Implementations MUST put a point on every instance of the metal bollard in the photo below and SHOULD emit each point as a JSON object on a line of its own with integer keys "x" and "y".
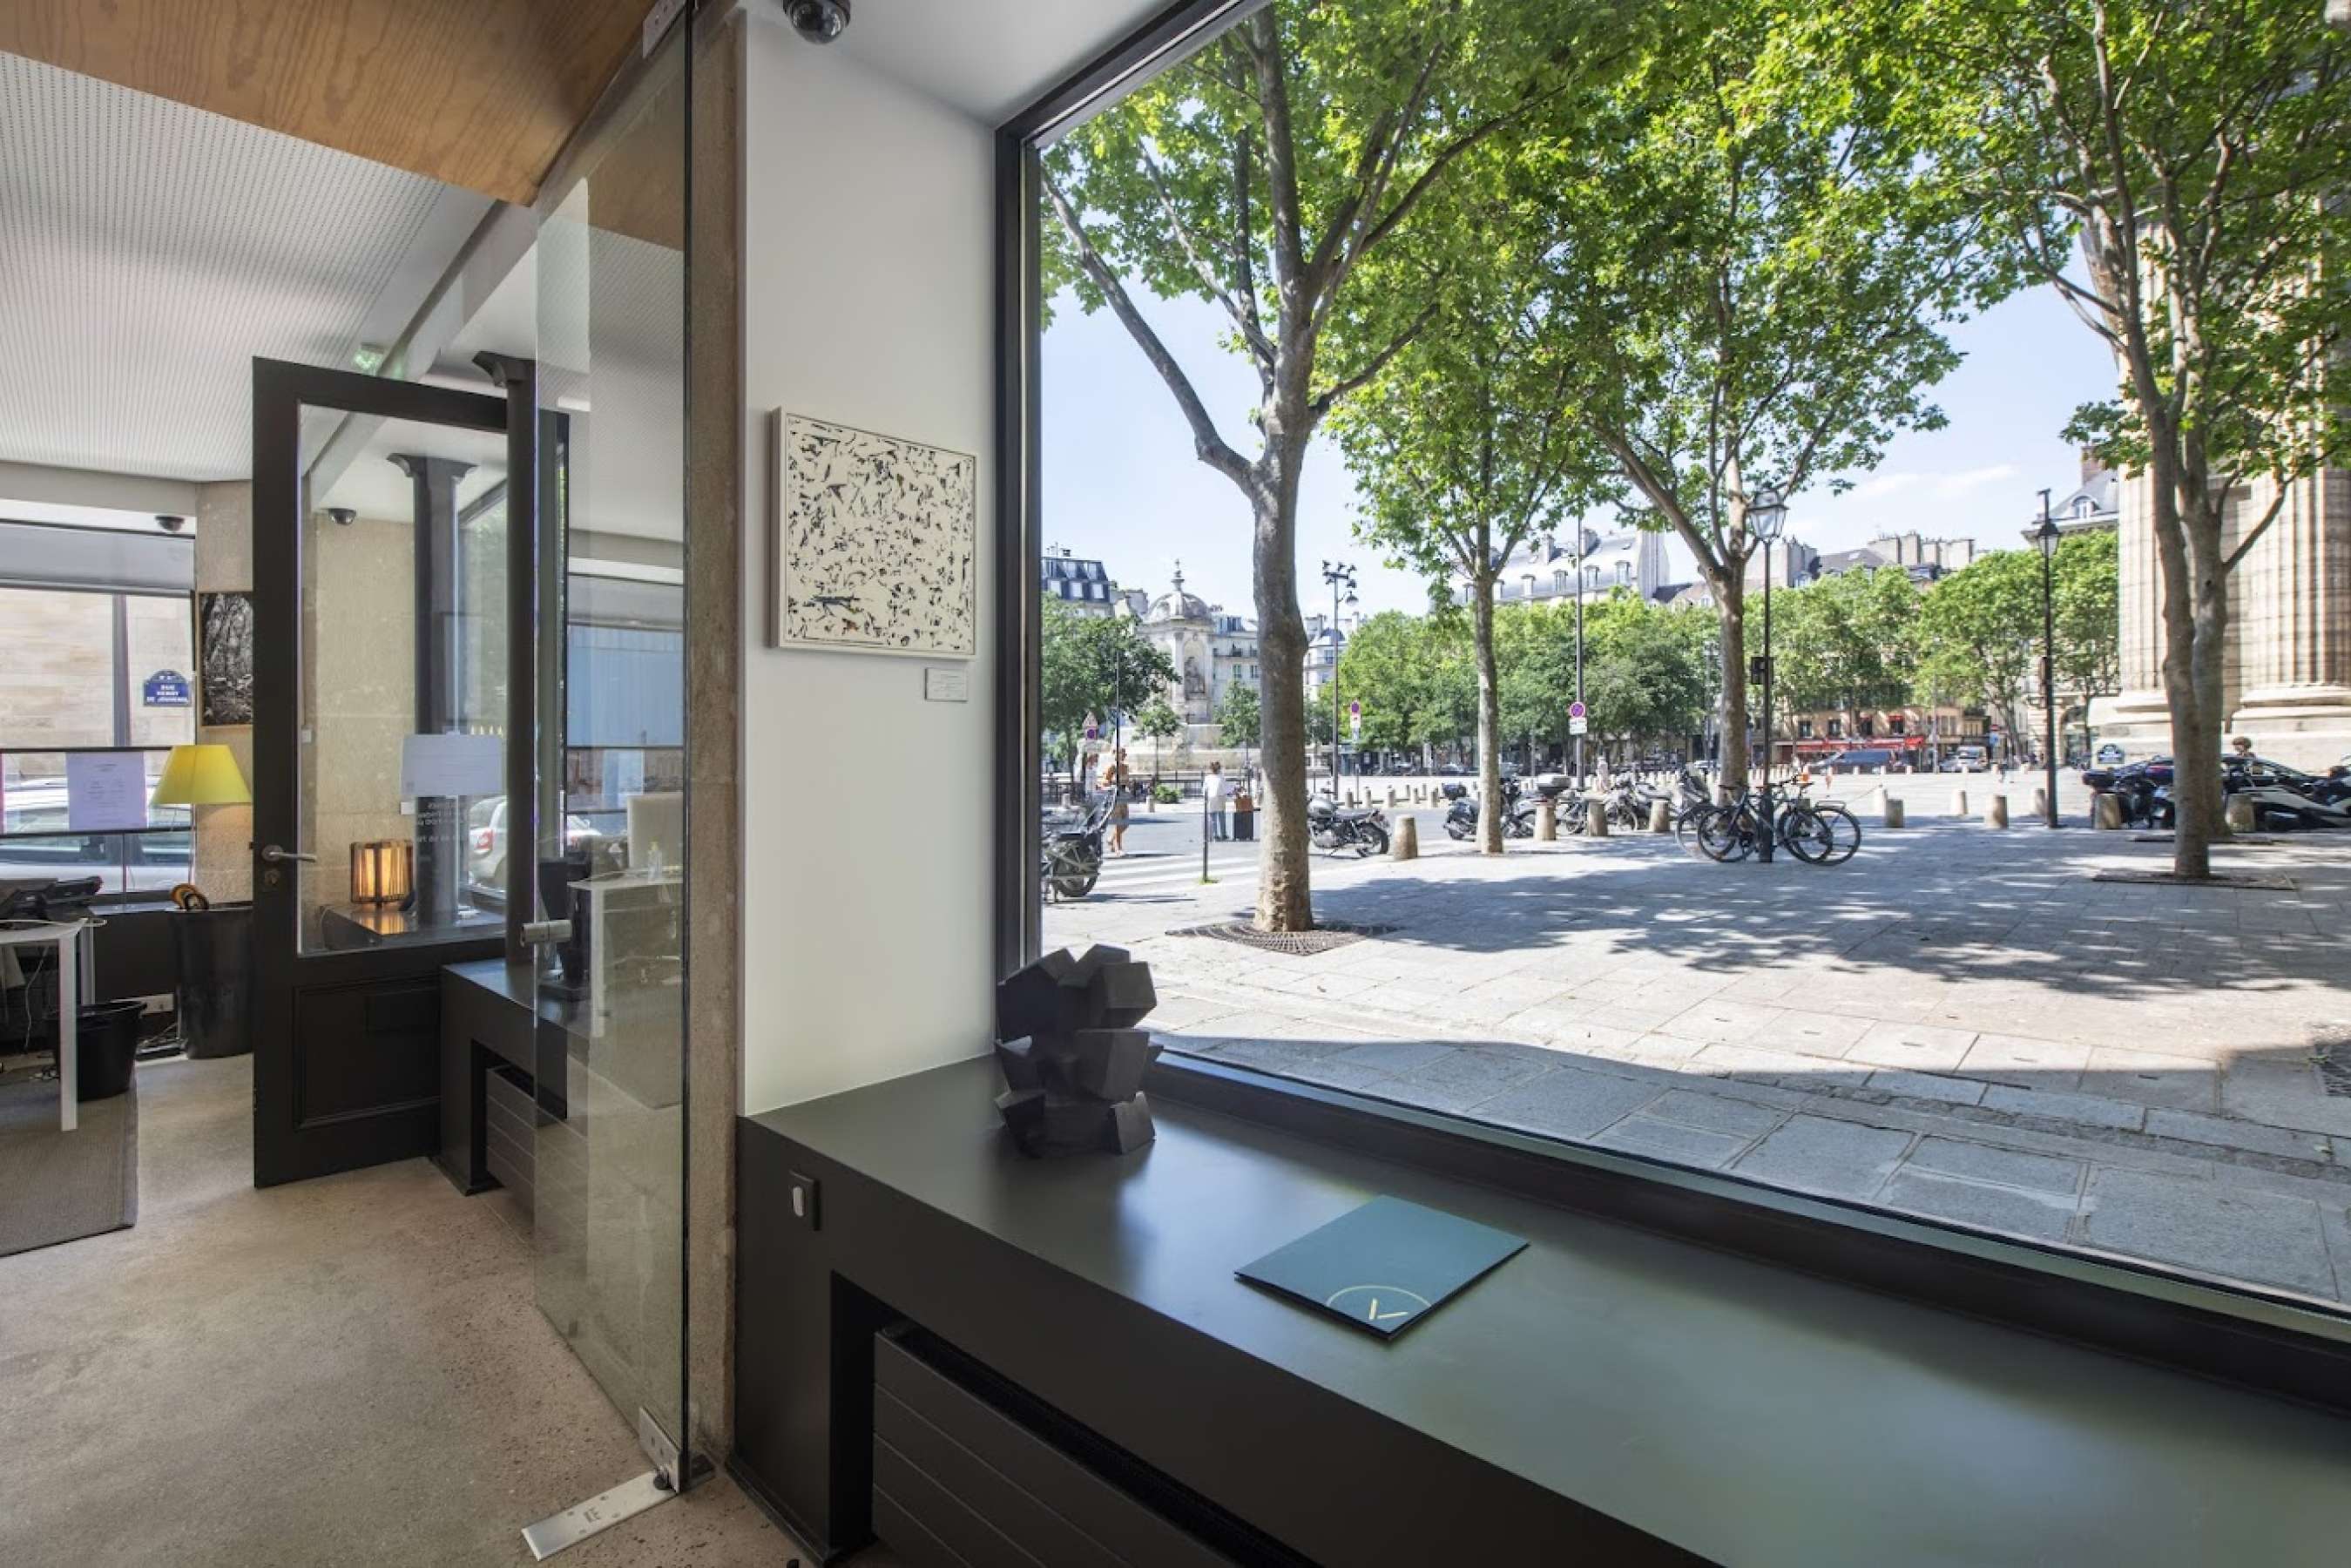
{"x": 1893, "y": 812}
{"x": 2238, "y": 812}
{"x": 1391, "y": 796}
{"x": 1547, "y": 820}
{"x": 1595, "y": 819}
{"x": 1996, "y": 813}
{"x": 2106, "y": 811}
{"x": 1661, "y": 816}
{"x": 1958, "y": 803}
{"x": 1405, "y": 845}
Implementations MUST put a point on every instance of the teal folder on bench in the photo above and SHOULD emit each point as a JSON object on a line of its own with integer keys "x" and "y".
{"x": 1385, "y": 1266}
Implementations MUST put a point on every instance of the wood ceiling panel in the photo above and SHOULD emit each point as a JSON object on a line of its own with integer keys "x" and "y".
{"x": 478, "y": 93}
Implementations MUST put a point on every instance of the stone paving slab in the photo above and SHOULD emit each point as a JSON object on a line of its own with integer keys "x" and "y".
{"x": 1964, "y": 1027}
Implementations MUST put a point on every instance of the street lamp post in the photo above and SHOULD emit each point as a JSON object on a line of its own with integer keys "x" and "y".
{"x": 1766, "y": 513}
{"x": 1338, "y": 574}
{"x": 2046, "y": 537}
{"x": 1579, "y": 649}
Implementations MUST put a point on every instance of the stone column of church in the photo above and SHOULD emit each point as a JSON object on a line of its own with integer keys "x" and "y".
{"x": 2137, "y": 718}
{"x": 2293, "y": 604}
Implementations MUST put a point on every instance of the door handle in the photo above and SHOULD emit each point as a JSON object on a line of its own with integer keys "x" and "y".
{"x": 540, "y": 933}
{"x": 272, "y": 854}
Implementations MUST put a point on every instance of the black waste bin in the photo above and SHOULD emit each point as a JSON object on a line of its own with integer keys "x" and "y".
{"x": 1244, "y": 820}
{"x": 106, "y": 1041}
{"x": 215, "y": 996}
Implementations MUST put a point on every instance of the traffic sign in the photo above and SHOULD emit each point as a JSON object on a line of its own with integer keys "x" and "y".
{"x": 1578, "y": 725}
{"x": 1355, "y": 710}
{"x": 1575, "y": 709}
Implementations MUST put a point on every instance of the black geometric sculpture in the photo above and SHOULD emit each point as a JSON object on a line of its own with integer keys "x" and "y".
{"x": 1072, "y": 1059}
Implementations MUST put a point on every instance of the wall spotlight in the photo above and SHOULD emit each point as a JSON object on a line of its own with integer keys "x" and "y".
{"x": 818, "y": 21}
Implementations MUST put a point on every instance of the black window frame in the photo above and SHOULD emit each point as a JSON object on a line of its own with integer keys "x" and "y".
{"x": 2240, "y": 1334}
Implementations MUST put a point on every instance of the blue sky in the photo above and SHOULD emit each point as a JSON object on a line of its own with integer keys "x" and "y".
{"x": 1121, "y": 482}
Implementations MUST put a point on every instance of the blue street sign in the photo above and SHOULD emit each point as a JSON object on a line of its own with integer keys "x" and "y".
{"x": 166, "y": 688}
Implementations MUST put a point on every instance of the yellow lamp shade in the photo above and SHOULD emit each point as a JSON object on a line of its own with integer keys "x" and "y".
{"x": 201, "y": 776}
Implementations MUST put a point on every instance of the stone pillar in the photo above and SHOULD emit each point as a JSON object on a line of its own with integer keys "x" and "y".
{"x": 2291, "y": 598}
{"x": 1405, "y": 845}
{"x": 222, "y": 858}
{"x": 2139, "y": 719}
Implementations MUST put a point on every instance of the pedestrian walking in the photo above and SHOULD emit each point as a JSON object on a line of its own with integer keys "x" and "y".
{"x": 1118, "y": 809}
{"x": 1212, "y": 800}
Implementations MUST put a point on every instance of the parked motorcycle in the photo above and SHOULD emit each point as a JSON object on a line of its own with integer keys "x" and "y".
{"x": 1071, "y": 855}
{"x": 1333, "y": 826}
{"x": 1461, "y": 819}
{"x": 2285, "y": 799}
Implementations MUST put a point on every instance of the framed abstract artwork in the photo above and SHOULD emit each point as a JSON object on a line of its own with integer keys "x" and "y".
{"x": 225, "y": 658}
{"x": 874, "y": 541}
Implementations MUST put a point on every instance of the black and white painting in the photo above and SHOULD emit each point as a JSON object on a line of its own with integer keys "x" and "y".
{"x": 224, "y": 657}
{"x": 875, "y": 540}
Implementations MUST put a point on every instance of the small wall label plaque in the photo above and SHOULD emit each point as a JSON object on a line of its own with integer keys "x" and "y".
{"x": 947, "y": 686}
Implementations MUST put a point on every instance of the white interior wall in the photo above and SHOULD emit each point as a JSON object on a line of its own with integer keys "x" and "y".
{"x": 868, "y": 299}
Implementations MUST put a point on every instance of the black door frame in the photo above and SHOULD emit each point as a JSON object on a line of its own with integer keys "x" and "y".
{"x": 396, "y": 987}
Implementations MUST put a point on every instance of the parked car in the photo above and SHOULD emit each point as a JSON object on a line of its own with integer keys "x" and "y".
{"x": 1967, "y": 758}
{"x": 486, "y": 839}
{"x": 1861, "y": 759}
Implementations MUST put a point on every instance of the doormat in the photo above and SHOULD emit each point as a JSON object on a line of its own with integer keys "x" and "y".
{"x": 2266, "y": 881}
{"x": 1299, "y": 943}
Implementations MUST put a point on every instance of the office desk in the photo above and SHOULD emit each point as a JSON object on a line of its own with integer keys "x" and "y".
{"x": 68, "y": 937}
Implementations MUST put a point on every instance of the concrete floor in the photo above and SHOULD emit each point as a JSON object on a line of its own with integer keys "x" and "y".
{"x": 346, "y": 1371}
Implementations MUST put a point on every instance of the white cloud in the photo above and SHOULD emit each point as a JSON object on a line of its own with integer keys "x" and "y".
{"x": 1968, "y": 479}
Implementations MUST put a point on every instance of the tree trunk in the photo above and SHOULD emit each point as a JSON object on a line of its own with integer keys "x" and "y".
{"x": 1284, "y": 897}
{"x": 1730, "y": 608}
{"x": 1490, "y": 816}
{"x": 2195, "y": 626}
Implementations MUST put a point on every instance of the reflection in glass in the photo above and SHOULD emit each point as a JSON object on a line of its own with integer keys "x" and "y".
{"x": 404, "y": 658}
{"x": 609, "y": 1217}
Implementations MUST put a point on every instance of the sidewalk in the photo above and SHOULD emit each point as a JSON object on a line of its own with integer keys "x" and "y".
{"x": 1959, "y": 1024}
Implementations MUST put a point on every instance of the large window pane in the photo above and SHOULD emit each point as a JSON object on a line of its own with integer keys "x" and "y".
{"x": 1969, "y": 1026}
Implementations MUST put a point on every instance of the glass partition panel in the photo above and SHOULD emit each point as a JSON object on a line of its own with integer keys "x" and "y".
{"x": 610, "y": 271}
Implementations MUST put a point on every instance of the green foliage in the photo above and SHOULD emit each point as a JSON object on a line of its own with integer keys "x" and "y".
{"x": 1158, "y": 722}
{"x": 1645, "y": 674}
{"x": 1847, "y": 643}
{"x": 1979, "y": 632}
{"x": 1097, "y": 667}
{"x": 1238, "y": 716}
{"x": 2089, "y": 615}
{"x": 1165, "y": 794}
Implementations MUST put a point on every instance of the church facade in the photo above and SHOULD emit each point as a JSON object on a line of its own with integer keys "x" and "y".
{"x": 2287, "y": 678}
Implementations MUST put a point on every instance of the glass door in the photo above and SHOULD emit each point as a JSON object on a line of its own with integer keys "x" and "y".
{"x": 610, "y": 287}
{"x": 376, "y": 649}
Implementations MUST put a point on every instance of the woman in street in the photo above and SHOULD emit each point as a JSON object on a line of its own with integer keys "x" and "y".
{"x": 1212, "y": 798}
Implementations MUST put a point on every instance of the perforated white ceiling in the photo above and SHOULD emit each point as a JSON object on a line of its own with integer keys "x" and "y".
{"x": 149, "y": 250}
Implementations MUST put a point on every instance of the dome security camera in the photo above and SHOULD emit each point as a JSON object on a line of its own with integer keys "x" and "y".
{"x": 343, "y": 517}
{"x": 818, "y": 21}
{"x": 169, "y": 522}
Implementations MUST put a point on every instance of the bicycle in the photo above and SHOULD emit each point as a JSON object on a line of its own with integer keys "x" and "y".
{"x": 1816, "y": 832}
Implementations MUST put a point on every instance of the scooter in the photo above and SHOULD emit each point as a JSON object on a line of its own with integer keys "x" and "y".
{"x": 1334, "y": 827}
{"x": 1071, "y": 857}
{"x": 1461, "y": 820}
{"x": 2279, "y": 805}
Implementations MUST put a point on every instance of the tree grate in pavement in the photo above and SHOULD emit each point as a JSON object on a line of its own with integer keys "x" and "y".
{"x": 1299, "y": 943}
{"x": 2334, "y": 1059}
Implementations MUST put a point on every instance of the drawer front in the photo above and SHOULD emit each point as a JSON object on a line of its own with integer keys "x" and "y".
{"x": 510, "y": 1138}
{"x": 969, "y": 1486}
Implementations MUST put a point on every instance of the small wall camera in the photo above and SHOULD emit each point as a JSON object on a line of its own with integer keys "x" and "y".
{"x": 170, "y": 523}
{"x": 818, "y": 21}
{"x": 343, "y": 517}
